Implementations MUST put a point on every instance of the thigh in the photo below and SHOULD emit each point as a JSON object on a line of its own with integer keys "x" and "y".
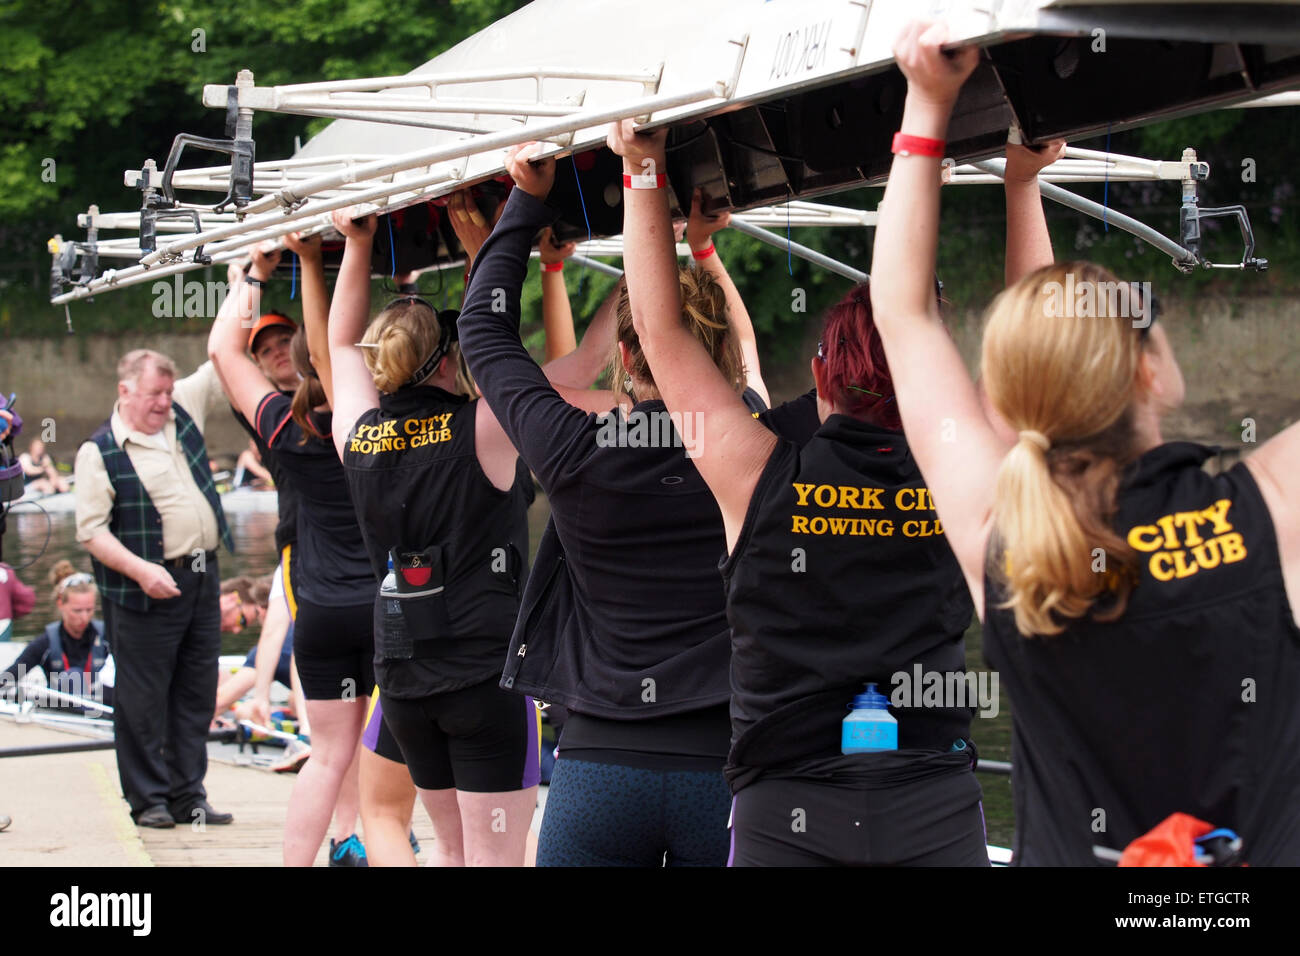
{"x": 492, "y": 738}
{"x": 601, "y": 814}
{"x": 696, "y": 806}
{"x": 422, "y": 743}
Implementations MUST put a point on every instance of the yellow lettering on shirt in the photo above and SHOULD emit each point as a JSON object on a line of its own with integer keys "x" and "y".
{"x": 1178, "y": 544}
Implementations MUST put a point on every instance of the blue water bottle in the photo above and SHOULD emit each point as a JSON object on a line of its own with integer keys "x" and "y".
{"x": 870, "y": 727}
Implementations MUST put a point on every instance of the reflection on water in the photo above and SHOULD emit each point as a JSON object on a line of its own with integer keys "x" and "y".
{"x": 25, "y": 541}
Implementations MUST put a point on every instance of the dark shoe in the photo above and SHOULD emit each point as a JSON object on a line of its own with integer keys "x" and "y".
{"x": 159, "y": 818}
{"x": 202, "y": 811}
{"x": 351, "y": 852}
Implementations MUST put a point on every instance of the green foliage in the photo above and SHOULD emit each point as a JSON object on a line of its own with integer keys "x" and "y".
{"x": 98, "y": 86}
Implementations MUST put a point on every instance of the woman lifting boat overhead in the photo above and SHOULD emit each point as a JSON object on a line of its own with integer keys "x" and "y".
{"x": 333, "y": 644}
{"x": 1141, "y": 612}
{"x": 837, "y": 575}
{"x": 442, "y": 498}
{"x": 624, "y": 618}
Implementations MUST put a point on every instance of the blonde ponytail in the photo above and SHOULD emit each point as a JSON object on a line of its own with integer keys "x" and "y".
{"x": 404, "y": 335}
{"x": 704, "y": 313}
{"x": 1066, "y": 383}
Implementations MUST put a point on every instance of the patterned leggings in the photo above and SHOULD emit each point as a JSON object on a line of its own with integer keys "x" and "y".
{"x": 607, "y": 814}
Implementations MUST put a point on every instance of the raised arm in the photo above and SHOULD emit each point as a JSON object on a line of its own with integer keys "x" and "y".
{"x": 573, "y": 374}
{"x": 1276, "y": 469}
{"x": 953, "y": 443}
{"x": 242, "y": 380}
{"x": 699, "y": 234}
{"x": 354, "y": 388}
{"x": 734, "y": 447}
{"x": 557, "y": 311}
{"x": 1029, "y": 245}
{"x": 520, "y": 405}
{"x": 315, "y": 307}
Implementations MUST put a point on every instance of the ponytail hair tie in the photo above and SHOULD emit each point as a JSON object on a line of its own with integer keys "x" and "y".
{"x": 1038, "y": 438}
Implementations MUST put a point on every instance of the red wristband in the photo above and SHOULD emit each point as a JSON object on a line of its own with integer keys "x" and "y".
{"x": 905, "y": 145}
{"x": 552, "y": 266}
{"x": 645, "y": 181}
{"x": 703, "y": 253}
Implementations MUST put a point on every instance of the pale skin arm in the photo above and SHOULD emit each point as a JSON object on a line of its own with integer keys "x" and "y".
{"x": 242, "y": 380}
{"x": 699, "y": 234}
{"x": 1029, "y": 245}
{"x": 557, "y": 311}
{"x": 251, "y": 464}
{"x": 354, "y": 388}
{"x": 572, "y": 374}
{"x": 315, "y": 307}
{"x": 735, "y": 445}
{"x": 269, "y": 645}
{"x": 152, "y": 578}
{"x": 1276, "y": 470}
{"x": 955, "y": 446}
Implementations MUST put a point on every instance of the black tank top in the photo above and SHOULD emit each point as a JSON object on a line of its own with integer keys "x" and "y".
{"x": 841, "y": 576}
{"x": 1186, "y": 704}
{"x": 417, "y": 484}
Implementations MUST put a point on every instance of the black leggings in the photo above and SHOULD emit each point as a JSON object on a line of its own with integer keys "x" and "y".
{"x": 935, "y": 821}
{"x": 609, "y": 814}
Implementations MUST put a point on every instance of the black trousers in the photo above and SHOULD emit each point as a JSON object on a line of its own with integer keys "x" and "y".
{"x": 165, "y": 690}
{"x": 934, "y": 820}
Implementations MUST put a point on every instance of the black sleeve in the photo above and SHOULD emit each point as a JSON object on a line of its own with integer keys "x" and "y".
{"x": 274, "y": 412}
{"x": 32, "y": 656}
{"x": 796, "y": 420}
{"x": 544, "y": 428}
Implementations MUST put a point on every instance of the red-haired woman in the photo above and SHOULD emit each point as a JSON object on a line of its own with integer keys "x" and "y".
{"x": 836, "y": 576}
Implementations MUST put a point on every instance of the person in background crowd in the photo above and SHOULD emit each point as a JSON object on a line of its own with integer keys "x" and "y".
{"x": 250, "y": 471}
{"x": 148, "y": 513}
{"x": 71, "y": 651}
{"x": 39, "y": 473}
{"x": 16, "y": 600}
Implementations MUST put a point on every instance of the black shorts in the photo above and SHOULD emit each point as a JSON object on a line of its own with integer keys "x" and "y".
{"x": 934, "y": 821}
{"x": 479, "y": 739}
{"x": 334, "y": 648}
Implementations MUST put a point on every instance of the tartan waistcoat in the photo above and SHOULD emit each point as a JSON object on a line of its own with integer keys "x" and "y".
{"x": 134, "y": 520}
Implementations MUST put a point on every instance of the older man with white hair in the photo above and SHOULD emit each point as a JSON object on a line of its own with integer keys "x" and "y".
{"x": 148, "y": 513}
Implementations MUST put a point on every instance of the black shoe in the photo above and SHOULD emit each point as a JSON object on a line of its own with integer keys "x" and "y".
{"x": 202, "y": 811}
{"x": 159, "y": 818}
